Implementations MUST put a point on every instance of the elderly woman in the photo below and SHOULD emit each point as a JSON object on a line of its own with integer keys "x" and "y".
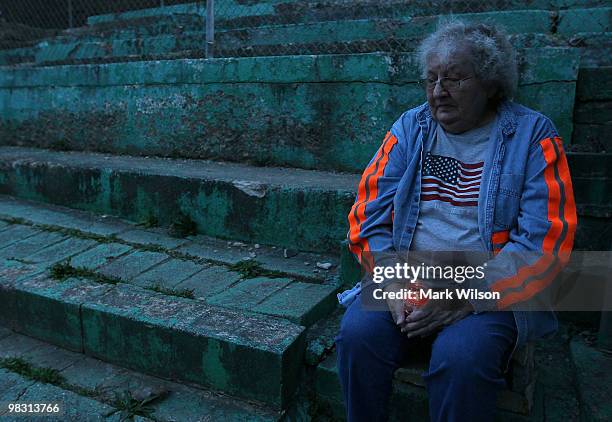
{"x": 469, "y": 170}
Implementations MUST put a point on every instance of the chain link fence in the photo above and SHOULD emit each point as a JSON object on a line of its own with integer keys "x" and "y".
{"x": 233, "y": 28}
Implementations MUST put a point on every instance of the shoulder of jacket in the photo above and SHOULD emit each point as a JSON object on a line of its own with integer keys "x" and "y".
{"x": 408, "y": 121}
{"x": 527, "y": 116}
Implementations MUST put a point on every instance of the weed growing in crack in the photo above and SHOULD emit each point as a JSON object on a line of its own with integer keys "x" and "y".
{"x": 27, "y": 370}
{"x": 250, "y": 268}
{"x": 186, "y": 293}
{"x": 149, "y": 221}
{"x": 62, "y": 271}
{"x": 183, "y": 226}
{"x": 130, "y": 407}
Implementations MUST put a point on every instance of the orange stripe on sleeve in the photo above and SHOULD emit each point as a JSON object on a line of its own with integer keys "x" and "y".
{"x": 569, "y": 214}
{"x": 569, "y": 208}
{"x": 553, "y": 233}
{"x": 370, "y": 176}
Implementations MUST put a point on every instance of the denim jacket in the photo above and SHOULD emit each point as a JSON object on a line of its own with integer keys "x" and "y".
{"x": 525, "y": 205}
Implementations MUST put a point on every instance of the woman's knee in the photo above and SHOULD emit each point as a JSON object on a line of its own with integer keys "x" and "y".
{"x": 474, "y": 349}
{"x": 361, "y": 328}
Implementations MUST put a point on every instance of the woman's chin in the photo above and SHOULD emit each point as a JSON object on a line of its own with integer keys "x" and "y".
{"x": 447, "y": 117}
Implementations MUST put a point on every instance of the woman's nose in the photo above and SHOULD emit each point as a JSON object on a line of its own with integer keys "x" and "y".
{"x": 439, "y": 91}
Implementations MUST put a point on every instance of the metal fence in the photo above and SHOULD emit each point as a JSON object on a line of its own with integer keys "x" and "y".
{"x": 227, "y": 28}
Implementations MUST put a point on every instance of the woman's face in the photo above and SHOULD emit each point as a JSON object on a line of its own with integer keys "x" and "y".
{"x": 462, "y": 107}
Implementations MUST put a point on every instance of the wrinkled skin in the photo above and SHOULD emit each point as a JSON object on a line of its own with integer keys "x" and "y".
{"x": 465, "y": 108}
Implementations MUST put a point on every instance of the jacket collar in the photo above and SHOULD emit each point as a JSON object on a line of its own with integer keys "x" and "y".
{"x": 507, "y": 120}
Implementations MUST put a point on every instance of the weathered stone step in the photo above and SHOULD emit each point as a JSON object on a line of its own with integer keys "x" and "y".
{"x": 226, "y": 10}
{"x": 326, "y": 112}
{"x": 112, "y": 290}
{"x": 146, "y": 26}
{"x": 362, "y": 34}
{"x": 88, "y": 388}
{"x": 203, "y": 269}
{"x": 238, "y": 352}
{"x": 319, "y": 33}
{"x": 105, "y": 229}
{"x": 292, "y": 11}
{"x": 298, "y": 209}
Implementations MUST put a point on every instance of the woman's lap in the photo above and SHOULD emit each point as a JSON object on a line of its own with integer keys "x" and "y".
{"x": 371, "y": 347}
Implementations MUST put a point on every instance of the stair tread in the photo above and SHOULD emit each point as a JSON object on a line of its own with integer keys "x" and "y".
{"x": 184, "y": 270}
{"x": 248, "y": 178}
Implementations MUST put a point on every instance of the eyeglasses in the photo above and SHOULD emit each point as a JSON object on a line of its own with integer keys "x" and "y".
{"x": 449, "y": 84}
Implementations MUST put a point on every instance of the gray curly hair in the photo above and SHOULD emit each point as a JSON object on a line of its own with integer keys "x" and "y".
{"x": 493, "y": 56}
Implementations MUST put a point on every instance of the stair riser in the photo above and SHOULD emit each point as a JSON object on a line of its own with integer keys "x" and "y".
{"x": 219, "y": 208}
{"x": 325, "y": 112}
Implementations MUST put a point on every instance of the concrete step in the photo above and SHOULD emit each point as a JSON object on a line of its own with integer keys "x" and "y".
{"x": 227, "y": 10}
{"x": 111, "y": 290}
{"x": 327, "y": 112}
{"x": 232, "y": 13}
{"x": 184, "y": 35}
{"x": 89, "y": 389}
{"x": 215, "y": 271}
{"x": 297, "y": 209}
{"x": 147, "y": 235}
{"x": 237, "y": 352}
{"x": 239, "y": 42}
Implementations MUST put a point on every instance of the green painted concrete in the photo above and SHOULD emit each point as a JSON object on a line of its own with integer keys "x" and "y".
{"x": 515, "y": 22}
{"x": 99, "y": 255}
{"x": 227, "y": 9}
{"x": 167, "y": 274}
{"x": 104, "y": 380}
{"x": 303, "y": 210}
{"x": 234, "y": 42}
{"x": 58, "y": 302}
{"x": 76, "y": 408}
{"x": 11, "y": 386}
{"x": 209, "y": 282}
{"x": 15, "y": 234}
{"x": 183, "y": 34}
{"x": 597, "y": 19}
{"x": 30, "y": 245}
{"x": 148, "y": 237}
{"x": 220, "y": 208}
{"x": 127, "y": 267}
{"x": 328, "y": 112}
{"x": 210, "y": 250}
{"x": 302, "y": 303}
{"x": 273, "y": 8}
{"x": 247, "y": 294}
{"x": 188, "y": 340}
{"x": 61, "y": 251}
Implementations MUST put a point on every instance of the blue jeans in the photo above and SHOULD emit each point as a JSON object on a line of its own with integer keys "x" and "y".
{"x": 466, "y": 369}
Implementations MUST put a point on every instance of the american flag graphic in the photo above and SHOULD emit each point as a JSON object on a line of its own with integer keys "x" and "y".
{"x": 449, "y": 180}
